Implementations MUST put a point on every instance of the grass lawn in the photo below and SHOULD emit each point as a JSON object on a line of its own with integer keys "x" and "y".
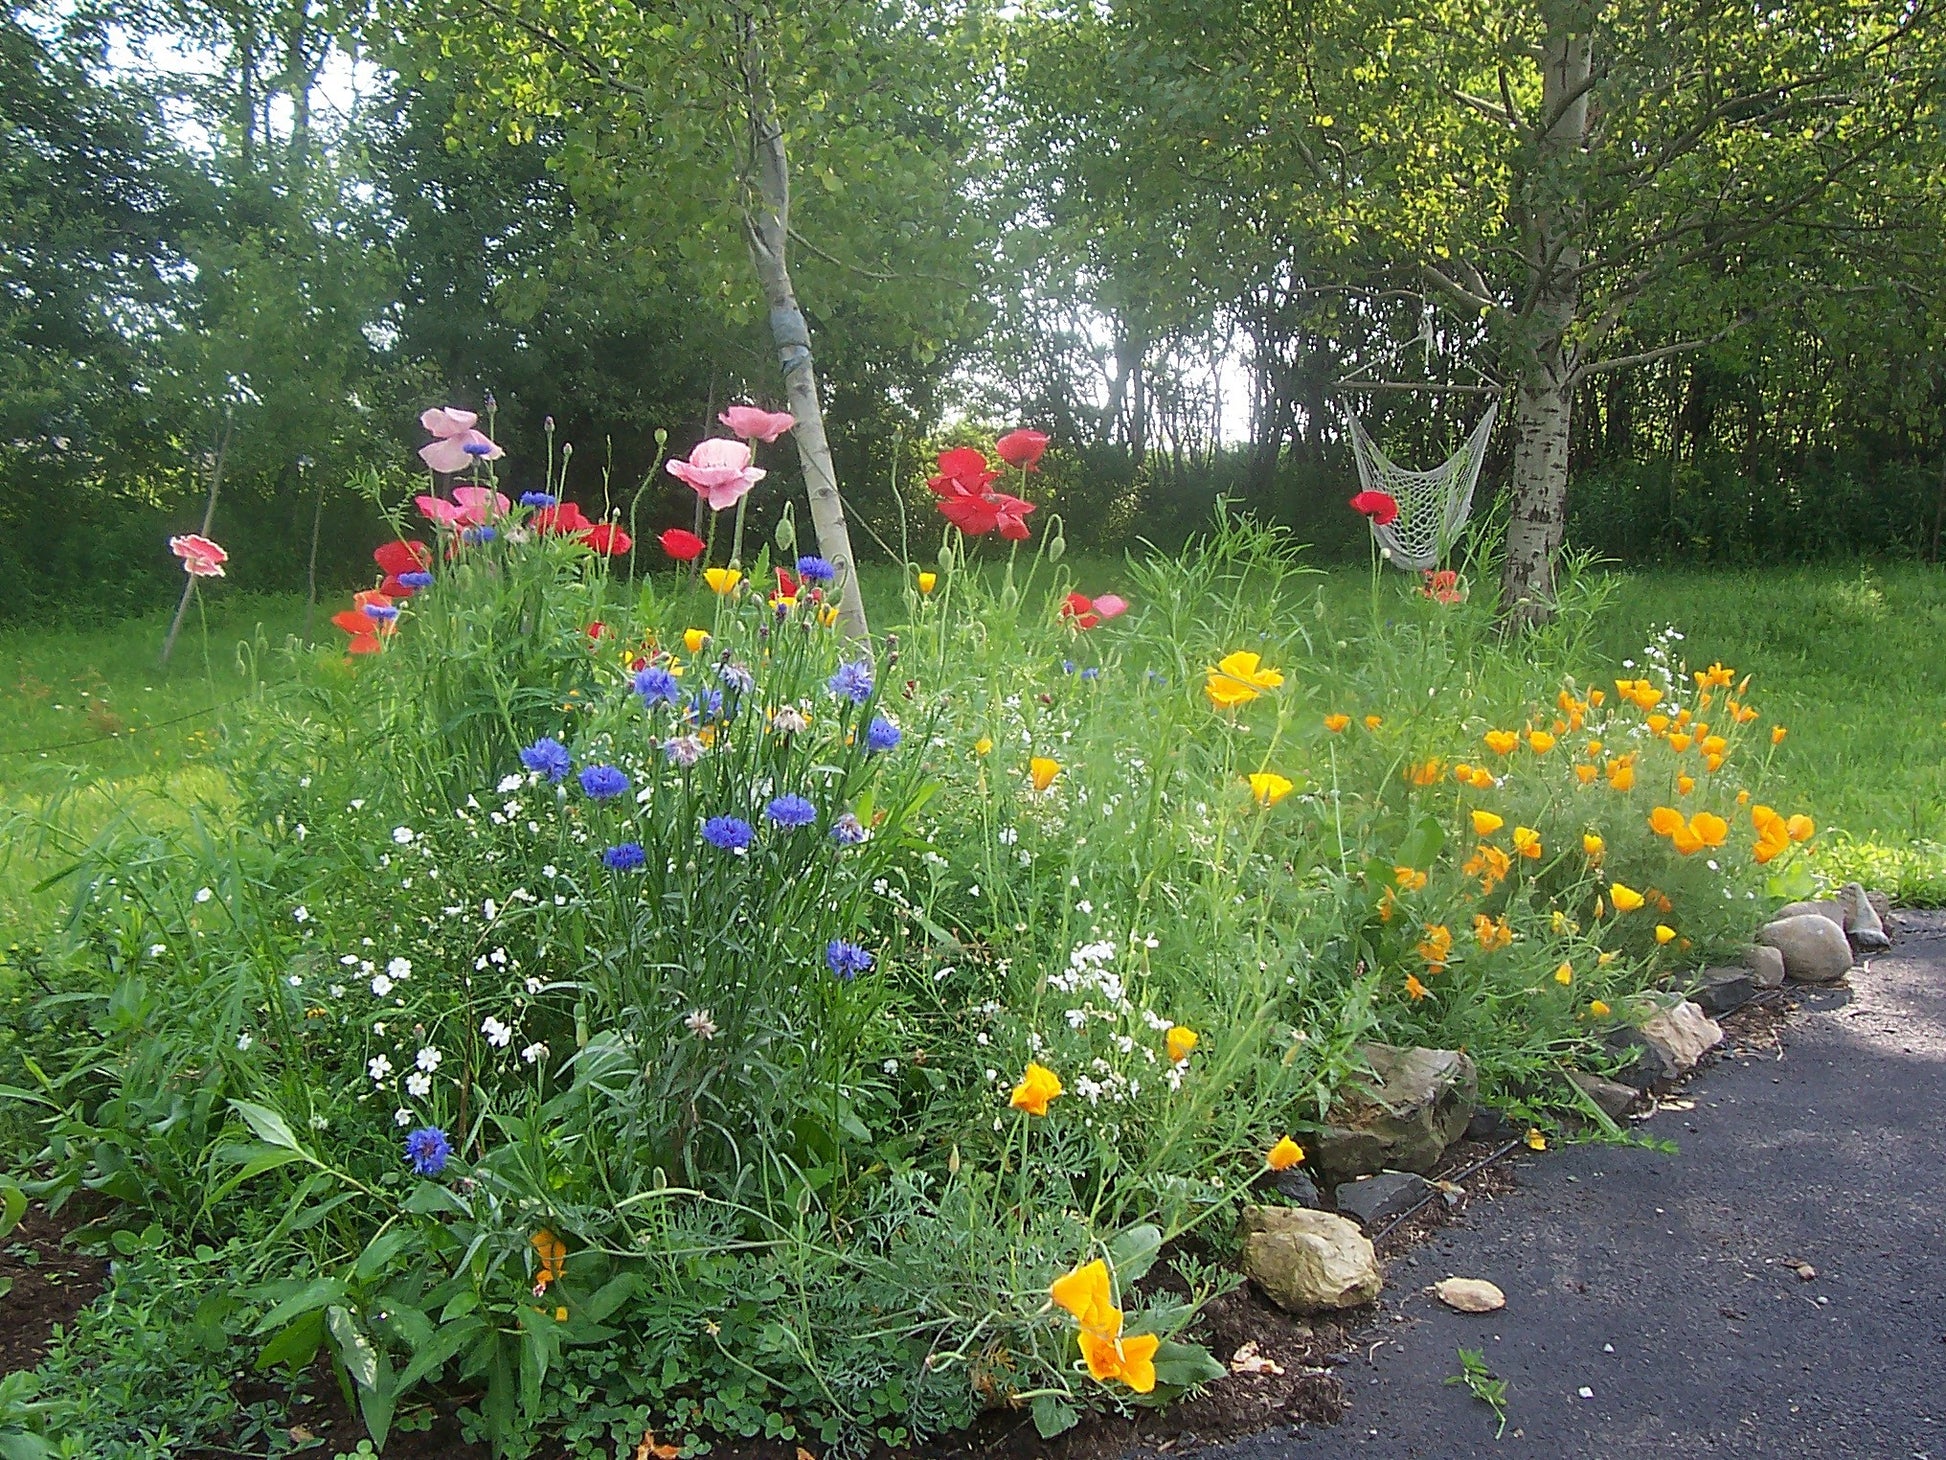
{"x": 1849, "y": 658}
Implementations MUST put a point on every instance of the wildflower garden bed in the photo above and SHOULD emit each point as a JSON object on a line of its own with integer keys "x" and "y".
{"x": 614, "y": 1009}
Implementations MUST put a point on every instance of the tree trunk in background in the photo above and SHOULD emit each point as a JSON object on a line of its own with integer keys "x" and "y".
{"x": 1544, "y": 392}
{"x": 768, "y": 232}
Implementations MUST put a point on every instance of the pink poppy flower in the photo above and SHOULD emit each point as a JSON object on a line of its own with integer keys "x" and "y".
{"x": 755, "y": 424}
{"x": 1022, "y": 448}
{"x": 1111, "y": 605}
{"x": 456, "y": 444}
{"x": 719, "y": 471}
{"x": 201, "y": 558}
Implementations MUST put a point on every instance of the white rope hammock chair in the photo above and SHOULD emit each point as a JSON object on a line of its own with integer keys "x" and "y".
{"x": 1433, "y": 505}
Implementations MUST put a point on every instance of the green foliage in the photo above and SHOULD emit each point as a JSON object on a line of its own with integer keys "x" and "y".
{"x": 1482, "y": 1385}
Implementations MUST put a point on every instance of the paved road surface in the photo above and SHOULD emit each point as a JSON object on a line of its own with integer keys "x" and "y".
{"x": 1662, "y": 1286}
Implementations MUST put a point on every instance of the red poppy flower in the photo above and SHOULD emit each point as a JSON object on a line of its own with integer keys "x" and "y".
{"x": 398, "y": 557}
{"x": 1021, "y": 449}
{"x": 963, "y": 469}
{"x": 1012, "y": 513}
{"x": 1442, "y": 586}
{"x": 608, "y": 538}
{"x": 786, "y": 584}
{"x": 1080, "y": 608}
{"x": 1379, "y": 506}
{"x": 596, "y": 630}
{"x": 682, "y": 545}
{"x": 561, "y": 520}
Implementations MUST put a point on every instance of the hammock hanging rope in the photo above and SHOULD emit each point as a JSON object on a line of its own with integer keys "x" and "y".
{"x": 1433, "y": 505}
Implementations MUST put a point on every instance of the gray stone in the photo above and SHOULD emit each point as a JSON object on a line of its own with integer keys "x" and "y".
{"x": 1719, "y": 990}
{"x": 1863, "y": 927}
{"x": 1375, "y": 1200}
{"x": 1670, "y": 1035}
{"x": 1881, "y": 908}
{"x": 1823, "y": 907}
{"x": 1415, "y": 1103}
{"x": 1766, "y": 964}
{"x": 1612, "y": 1097}
{"x": 1296, "y": 1185}
{"x": 1488, "y": 1124}
{"x": 1308, "y": 1262}
{"x": 1814, "y": 947}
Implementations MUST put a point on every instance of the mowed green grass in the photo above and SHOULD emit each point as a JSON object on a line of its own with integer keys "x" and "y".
{"x": 1851, "y": 659}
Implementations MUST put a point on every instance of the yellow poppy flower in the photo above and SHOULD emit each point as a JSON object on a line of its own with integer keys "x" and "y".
{"x": 1038, "y": 1085}
{"x": 1621, "y": 773}
{"x": 1425, "y": 772}
{"x": 1042, "y": 771}
{"x": 1527, "y": 842}
{"x": 1485, "y": 823}
{"x": 1626, "y": 899}
{"x": 1491, "y": 933}
{"x": 1714, "y": 745}
{"x": 828, "y": 614}
{"x": 1462, "y": 773}
{"x": 553, "y": 1255}
{"x": 1501, "y": 742}
{"x": 1596, "y": 696}
{"x": 1335, "y": 723}
{"x": 1586, "y": 774}
{"x": 1593, "y": 845}
{"x": 694, "y": 639}
{"x": 1801, "y": 828}
{"x": 1535, "y": 1140}
{"x": 1777, "y": 734}
{"x": 1268, "y": 787}
{"x": 1482, "y": 778}
{"x": 722, "y": 580}
{"x": 1284, "y": 1155}
{"x": 1602, "y": 960}
{"x": 1238, "y": 679}
{"x": 1711, "y": 829}
{"x": 1658, "y": 723}
{"x": 1679, "y": 743}
{"x": 1664, "y": 933}
{"x": 1685, "y": 784}
{"x": 1372, "y": 722}
{"x": 1665, "y": 821}
{"x": 1086, "y": 1294}
{"x": 928, "y": 582}
{"x": 1414, "y": 989}
{"x": 983, "y": 746}
{"x": 1598, "y": 1009}
{"x": 1181, "y": 1040}
{"x": 1539, "y": 741}
{"x": 1436, "y": 947}
{"x": 1564, "y": 975}
{"x": 1130, "y": 1359}
{"x": 1409, "y": 878}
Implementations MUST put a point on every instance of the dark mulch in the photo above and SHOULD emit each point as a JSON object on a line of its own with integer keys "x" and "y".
{"x": 51, "y": 1283}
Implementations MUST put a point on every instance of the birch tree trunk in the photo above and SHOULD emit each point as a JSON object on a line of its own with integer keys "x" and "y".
{"x": 1544, "y": 391}
{"x": 767, "y": 229}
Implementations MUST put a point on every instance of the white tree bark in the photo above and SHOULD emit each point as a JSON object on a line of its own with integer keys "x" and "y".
{"x": 767, "y": 228}
{"x": 1544, "y": 390}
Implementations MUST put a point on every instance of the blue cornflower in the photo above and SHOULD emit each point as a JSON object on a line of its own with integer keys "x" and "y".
{"x": 603, "y": 781}
{"x": 791, "y": 811}
{"x": 384, "y": 613}
{"x": 852, "y": 682}
{"x": 707, "y": 704}
{"x": 849, "y": 831}
{"x": 1091, "y": 673}
{"x": 881, "y": 734}
{"x": 539, "y": 499}
{"x": 737, "y": 677}
{"x": 479, "y": 534}
{"x": 728, "y": 833}
{"x": 656, "y": 683}
{"x": 418, "y": 578}
{"x": 816, "y": 570}
{"x": 477, "y": 448}
{"x": 628, "y": 857}
{"x": 847, "y": 960}
{"x": 1067, "y": 666}
{"x": 549, "y": 757}
{"x": 427, "y": 1149}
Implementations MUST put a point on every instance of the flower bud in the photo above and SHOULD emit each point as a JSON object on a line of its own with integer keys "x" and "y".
{"x": 1055, "y": 547}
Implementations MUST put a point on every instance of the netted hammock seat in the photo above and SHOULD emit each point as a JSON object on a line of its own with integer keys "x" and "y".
{"x": 1433, "y": 505}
